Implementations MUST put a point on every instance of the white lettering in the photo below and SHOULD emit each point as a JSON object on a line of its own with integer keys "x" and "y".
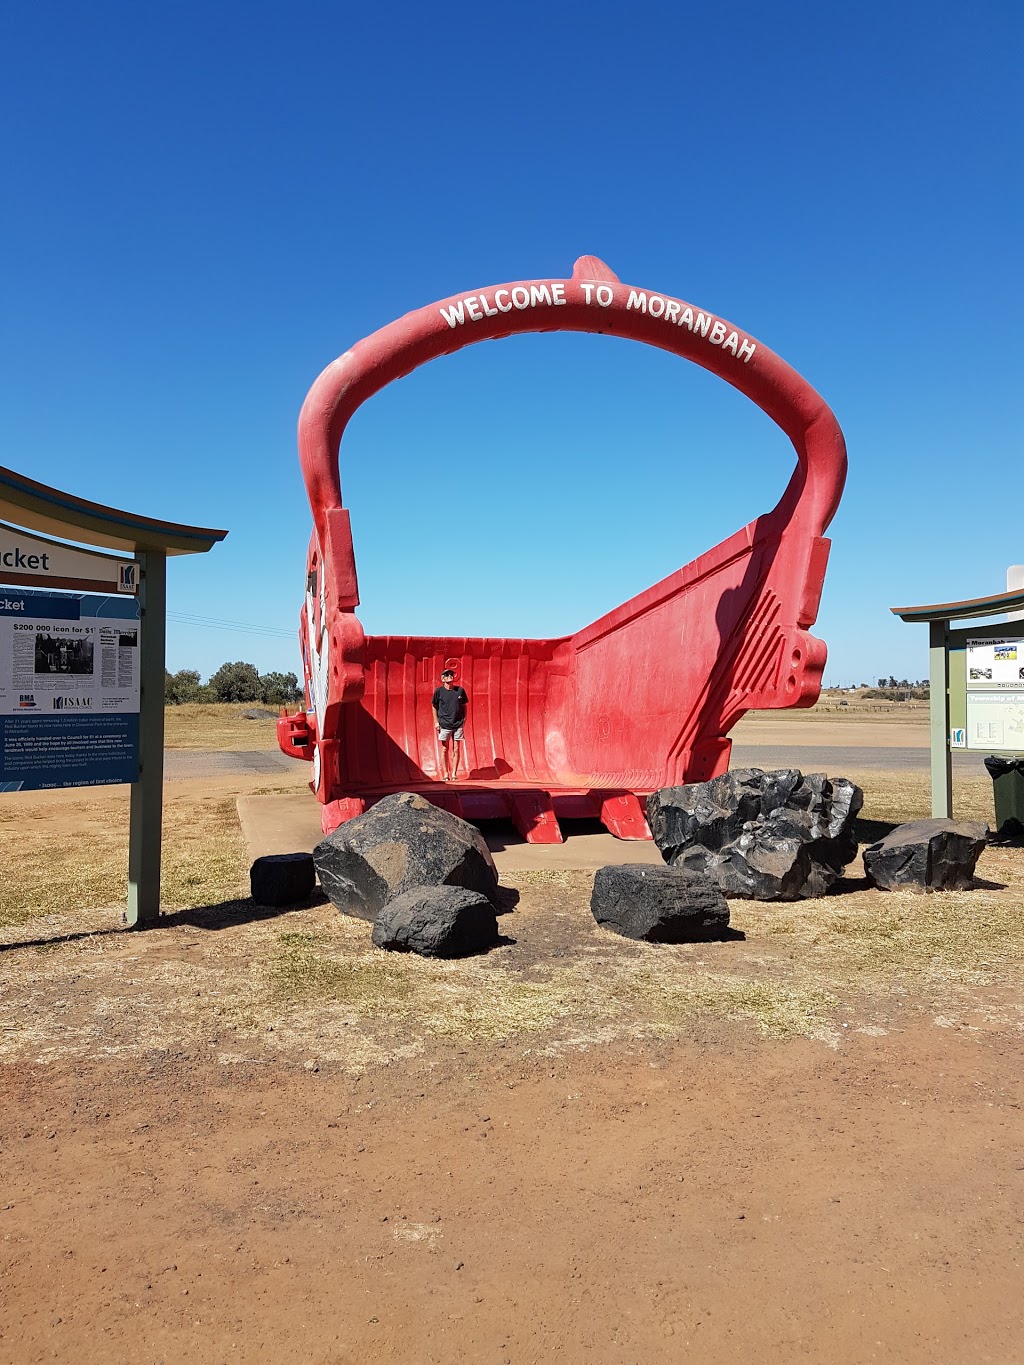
{"x": 521, "y": 296}
{"x": 454, "y": 315}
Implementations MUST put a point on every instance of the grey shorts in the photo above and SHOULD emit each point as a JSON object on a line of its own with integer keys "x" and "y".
{"x": 445, "y": 735}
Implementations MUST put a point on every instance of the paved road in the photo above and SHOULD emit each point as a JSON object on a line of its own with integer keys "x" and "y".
{"x": 181, "y": 763}
{"x": 199, "y": 763}
{"x": 812, "y": 758}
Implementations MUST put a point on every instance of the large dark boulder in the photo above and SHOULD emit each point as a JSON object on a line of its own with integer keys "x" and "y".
{"x": 658, "y": 904}
{"x": 282, "y": 878}
{"x": 437, "y": 921}
{"x": 769, "y": 836}
{"x": 927, "y": 855}
{"x": 401, "y": 842}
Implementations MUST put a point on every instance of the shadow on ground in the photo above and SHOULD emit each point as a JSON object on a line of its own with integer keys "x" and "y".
{"x": 226, "y": 914}
{"x": 223, "y": 915}
{"x": 870, "y": 831}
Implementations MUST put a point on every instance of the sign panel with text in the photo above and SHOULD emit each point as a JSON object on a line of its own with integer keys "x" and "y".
{"x": 995, "y": 694}
{"x": 69, "y": 690}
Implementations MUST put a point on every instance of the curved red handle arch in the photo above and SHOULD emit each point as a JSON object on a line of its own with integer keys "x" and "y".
{"x": 593, "y": 300}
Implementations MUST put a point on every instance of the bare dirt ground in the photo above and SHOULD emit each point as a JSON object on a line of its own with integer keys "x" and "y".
{"x": 246, "y": 1136}
{"x": 713, "y": 1198}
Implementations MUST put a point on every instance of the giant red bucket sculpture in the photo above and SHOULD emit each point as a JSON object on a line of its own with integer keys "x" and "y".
{"x": 550, "y": 731}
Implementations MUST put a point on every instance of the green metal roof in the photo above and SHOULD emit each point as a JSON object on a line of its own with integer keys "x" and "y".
{"x": 963, "y": 611}
{"x": 36, "y": 507}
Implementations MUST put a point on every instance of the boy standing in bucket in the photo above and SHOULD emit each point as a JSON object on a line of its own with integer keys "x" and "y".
{"x": 449, "y": 703}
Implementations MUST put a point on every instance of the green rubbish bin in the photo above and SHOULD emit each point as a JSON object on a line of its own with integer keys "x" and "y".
{"x": 1007, "y": 787}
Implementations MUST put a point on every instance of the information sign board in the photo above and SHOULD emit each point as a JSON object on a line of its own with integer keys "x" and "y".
{"x": 69, "y": 690}
{"x": 995, "y": 695}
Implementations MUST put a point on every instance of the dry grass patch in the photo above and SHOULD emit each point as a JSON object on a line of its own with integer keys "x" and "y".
{"x": 57, "y": 859}
{"x": 901, "y": 795}
{"x": 665, "y": 998}
{"x": 647, "y": 992}
{"x": 219, "y": 725}
{"x": 64, "y": 853}
{"x": 879, "y": 939}
{"x": 616, "y": 988}
{"x": 470, "y": 998}
{"x": 313, "y": 982}
{"x": 856, "y": 709}
{"x": 205, "y": 858}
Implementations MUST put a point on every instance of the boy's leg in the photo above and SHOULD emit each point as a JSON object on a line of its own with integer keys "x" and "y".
{"x": 444, "y": 758}
{"x": 456, "y": 752}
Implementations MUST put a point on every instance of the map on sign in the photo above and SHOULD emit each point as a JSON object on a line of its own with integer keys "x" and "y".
{"x": 995, "y": 694}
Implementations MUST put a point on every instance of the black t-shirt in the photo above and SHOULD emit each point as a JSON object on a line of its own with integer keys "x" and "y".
{"x": 450, "y": 705}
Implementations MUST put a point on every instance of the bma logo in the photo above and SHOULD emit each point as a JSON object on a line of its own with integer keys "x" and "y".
{"x": 127, "y": 577}
{"x": 26, "y": 701}
{"x": 72, "y": 703}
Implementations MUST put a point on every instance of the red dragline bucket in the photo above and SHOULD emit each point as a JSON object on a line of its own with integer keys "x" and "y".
{"x": 550, "y": 731}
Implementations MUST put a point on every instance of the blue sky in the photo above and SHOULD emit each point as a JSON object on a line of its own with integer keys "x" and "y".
{"x": 203, "y": 205}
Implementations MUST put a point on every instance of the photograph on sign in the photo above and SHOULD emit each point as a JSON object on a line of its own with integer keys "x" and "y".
{"x": 999, "y": 662}
{"x": 69, "y": 690}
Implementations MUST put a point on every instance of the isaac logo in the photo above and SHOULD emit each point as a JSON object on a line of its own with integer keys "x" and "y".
{"x": 127, "y": 577}
{"x": 72, "y": 703}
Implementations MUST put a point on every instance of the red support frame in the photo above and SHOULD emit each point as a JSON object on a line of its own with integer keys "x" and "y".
{"x": 549, "y": 732}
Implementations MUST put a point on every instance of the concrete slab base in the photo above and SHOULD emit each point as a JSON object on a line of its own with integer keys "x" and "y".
{"x": 283, "y": 823}
{"x": 290, "y": 823}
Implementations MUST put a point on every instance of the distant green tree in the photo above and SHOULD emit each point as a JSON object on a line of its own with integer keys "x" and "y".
{"x": 235, "y": 682}
{"x": 183, "y": 686}
{"x": 278, "y": 688}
